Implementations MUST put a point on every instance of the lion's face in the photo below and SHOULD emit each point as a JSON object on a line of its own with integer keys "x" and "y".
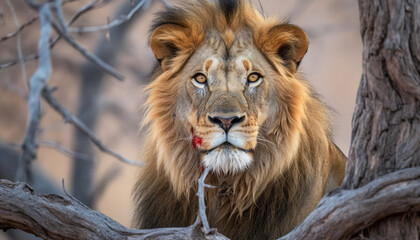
{"x": 227, "y": 88}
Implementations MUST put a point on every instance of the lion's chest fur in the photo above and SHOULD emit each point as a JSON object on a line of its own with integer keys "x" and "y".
{"x": 269, "y": 217}
{"x": 276, "y": 211}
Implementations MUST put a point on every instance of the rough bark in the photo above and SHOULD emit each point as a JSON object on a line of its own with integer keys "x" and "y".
{"x": 56, "y": 217}
{"x": 41, "y": 182}
{"x": 344, "y": 212}
{"x": 340, "y": 214}
{"x": 386, "y": 121}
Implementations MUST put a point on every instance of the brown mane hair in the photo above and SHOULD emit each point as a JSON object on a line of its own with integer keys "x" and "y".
{"x": 294, "y": 144}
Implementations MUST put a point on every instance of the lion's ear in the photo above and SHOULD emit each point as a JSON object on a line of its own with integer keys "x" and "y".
{"x": 289, "y": 42}
{"x": 166, "y": 41}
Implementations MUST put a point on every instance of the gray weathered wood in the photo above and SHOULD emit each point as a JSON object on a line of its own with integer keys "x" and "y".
{"x": 386, "y": 121}
{"x": 55, "y": 217}
{"x": 343, "y": 212}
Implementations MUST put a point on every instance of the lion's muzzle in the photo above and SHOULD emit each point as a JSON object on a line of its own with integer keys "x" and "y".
{"x": 228, "y": 135}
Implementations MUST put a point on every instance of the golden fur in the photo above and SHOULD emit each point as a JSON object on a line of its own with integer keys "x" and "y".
{"x": 274, "y": 163}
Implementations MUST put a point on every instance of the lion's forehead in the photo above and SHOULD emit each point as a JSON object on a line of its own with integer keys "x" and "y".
{"x": 225, "y": 74}
{"x": 228, "y": 67}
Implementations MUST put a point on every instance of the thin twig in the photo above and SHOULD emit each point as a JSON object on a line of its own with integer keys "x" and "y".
{"x": 62, "y": 29}
{"x": 201, "y": 202}
{"x": 89, "y": 6}
{"x": 60, "y": 148}
{"x": 23, "y": 26}
{"x": 118, "y": 21}
{"x": 19, "y": 45}
{"x": 18, "y": 30}
{"x": 69, "y": 195}
{"x": 37, "y": 82}
{"x": 47, "y": 93}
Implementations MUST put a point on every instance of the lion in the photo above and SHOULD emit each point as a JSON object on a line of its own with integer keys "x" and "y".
{"x": 227, "y": 94}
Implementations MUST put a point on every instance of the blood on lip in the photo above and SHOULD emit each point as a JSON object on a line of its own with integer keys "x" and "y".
{"x": 196, "y": 141}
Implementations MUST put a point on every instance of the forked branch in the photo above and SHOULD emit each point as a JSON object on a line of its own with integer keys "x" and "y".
{"x": 69, "y": 118}
{"x": 37, "y": 82}
{"x": 342, "y": 213}
{"x": 339, "y": 215}
{"x": 45, "y": 216}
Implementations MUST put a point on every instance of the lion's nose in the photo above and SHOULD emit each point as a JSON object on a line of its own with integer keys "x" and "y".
{"x": 226, "y": 122}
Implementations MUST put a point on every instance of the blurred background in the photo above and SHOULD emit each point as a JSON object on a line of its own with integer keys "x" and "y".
{"x": 112, "y": 108}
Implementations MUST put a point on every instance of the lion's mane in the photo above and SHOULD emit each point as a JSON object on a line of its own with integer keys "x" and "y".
{"x": 293, "y": 158}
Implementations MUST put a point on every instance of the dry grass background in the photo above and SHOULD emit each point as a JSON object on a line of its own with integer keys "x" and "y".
{"x": 332, "y": 65}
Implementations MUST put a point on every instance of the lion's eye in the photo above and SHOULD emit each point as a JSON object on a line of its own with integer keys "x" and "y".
{"x": 253, "y": 77}
{"x": 200, "y": 78}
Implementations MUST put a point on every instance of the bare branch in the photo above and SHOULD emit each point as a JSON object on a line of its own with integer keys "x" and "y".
{"x": 47, "y": 93}
{"x": 342, "y": 213}
{"x": 23, "y": 26}
{"x": 37, "y": 82}
{"x": 60, "y": 148}
{"x": 89, "y": 6}
{"x": 339, "y": 215}
{"x": 18, "y": 30}
{"x": 62, "y": 29}
{"x": 116, "y": 22}
{"x": 201, "y": 202}
{"x": 56, "y": 217}
{"x": 19, "y": 44}
{"x": 63, "y": 186}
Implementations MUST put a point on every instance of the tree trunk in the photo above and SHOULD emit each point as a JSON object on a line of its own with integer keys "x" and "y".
{"x": 88, "y": 106}
{"x": 386, "y": 121}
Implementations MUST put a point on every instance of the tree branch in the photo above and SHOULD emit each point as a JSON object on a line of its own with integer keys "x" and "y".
{"x": 18, "y": 30}
{"x": 19, "y": 45}
{"x": 37, "y": 82}
{"x": 47, "y": 94}
{"x": 89, "y": 6}
{"x": 339, "y": 215}
{"x": 62, "y": 29}
{"x": 65, "y": 151}
{"x": 45, "y": 215}
{"x": 342, "y": 213}
{"x": 201, "y": 202}
{"x": 116, "y": 22}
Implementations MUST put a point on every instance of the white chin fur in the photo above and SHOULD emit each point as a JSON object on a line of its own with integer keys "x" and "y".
{"x": 227, "y": 160}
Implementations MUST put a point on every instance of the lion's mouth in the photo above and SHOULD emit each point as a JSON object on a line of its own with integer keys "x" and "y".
{"x": 225, "y": 146}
